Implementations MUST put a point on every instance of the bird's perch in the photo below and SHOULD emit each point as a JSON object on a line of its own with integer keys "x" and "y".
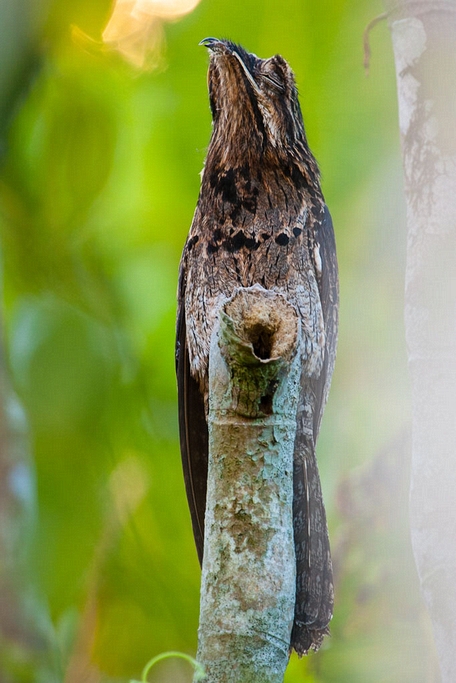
{"x": 249, "y": 577}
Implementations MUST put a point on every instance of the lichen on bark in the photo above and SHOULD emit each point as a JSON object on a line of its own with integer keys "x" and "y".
{"x": 248, "y": 583}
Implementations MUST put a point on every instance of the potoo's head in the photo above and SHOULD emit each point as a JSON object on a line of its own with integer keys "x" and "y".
{"x": 254, "y": 102}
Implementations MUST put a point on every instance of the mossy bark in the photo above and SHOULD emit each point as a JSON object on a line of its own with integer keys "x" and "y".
{"x": 249, "y": 576}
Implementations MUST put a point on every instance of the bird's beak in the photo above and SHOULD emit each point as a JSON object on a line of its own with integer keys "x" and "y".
{"x": 212, "y": 43}
{"x": 220, "y": 47}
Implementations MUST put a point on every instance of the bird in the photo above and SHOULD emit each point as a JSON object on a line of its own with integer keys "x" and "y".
{"x": 261, "y": 218}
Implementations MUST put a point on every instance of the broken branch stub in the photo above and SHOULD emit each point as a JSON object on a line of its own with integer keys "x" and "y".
{"x": 249, "y": 577}
{"x": 258, "y": 336}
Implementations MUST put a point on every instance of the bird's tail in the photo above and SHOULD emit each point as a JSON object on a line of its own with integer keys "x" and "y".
{"x": 314, "y": 576}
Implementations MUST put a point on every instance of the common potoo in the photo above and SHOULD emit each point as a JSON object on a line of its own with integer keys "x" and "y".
{"x": 261, "y": 218}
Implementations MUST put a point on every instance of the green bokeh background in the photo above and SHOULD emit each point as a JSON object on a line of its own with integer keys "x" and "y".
{"x": 98, "y": 183}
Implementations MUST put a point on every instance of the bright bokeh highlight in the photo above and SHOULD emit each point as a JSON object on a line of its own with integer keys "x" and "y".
{"x": 135, "y": 28}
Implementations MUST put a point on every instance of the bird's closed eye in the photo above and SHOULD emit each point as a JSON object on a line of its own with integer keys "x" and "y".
{"x": 274, "y": 82}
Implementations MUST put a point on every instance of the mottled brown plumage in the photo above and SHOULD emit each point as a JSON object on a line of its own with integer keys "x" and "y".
{"x": 261, "y": 218}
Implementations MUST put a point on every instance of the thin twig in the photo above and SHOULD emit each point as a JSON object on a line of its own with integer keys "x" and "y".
{"x": 367, "y": 30}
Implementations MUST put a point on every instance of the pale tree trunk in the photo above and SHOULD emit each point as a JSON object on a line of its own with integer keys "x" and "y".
{"x": 424, "y": 42}
{"x": 248, "y": 581}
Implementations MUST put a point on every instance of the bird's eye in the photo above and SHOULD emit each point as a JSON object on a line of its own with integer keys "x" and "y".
{"x": 274, "y": 82}
{"x": 272, "y": 73}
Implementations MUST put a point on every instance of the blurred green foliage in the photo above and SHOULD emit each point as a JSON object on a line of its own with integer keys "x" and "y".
{"x": 98, "y": 184}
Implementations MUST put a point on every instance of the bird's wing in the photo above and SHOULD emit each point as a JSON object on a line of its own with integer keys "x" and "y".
{"x": 328, "y": 286}
{"x": 314, "y": 580}
{"x": 192, "y": 427}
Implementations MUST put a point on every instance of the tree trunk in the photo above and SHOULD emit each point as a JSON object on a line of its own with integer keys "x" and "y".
{"x": 424, "y": 42}
{"x": 248, "y": 582}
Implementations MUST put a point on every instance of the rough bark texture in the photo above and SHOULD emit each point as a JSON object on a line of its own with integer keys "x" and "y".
{"x": 424, "y": 42}
{"x": 249, "y": 568}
